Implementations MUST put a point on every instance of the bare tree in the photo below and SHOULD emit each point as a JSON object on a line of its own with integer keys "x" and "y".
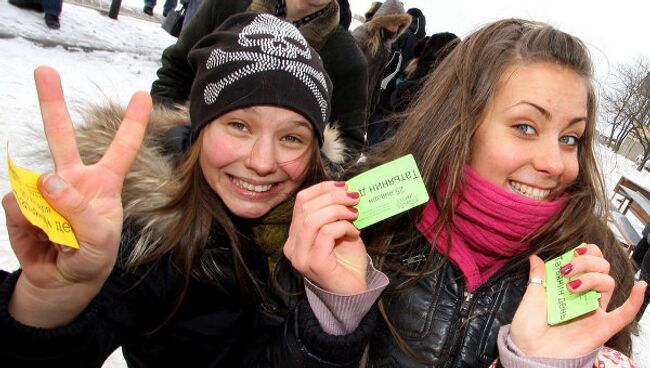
{"x": 625, "y": 107}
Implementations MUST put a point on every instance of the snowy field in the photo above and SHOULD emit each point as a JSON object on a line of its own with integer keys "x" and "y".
{"x": 102, "y": 59}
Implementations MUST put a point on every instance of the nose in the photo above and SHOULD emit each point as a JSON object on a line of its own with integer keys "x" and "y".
{"x": 262, "y": 159}
{"x": 549, "y": 157}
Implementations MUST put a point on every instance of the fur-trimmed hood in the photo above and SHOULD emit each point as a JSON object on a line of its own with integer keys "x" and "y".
{"x": 370, "y": 36}
{"x": 317, "y": 31}
{"x": 152, "y": 180}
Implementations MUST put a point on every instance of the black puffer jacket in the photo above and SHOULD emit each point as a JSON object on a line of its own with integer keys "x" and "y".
{"x": 437, "y": 318}
{"x": 342, "y": 59}
{"x": 214, "y": 326}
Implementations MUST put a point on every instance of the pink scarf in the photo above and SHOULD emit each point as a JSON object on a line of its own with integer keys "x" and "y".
{"x": 488, "y": 226}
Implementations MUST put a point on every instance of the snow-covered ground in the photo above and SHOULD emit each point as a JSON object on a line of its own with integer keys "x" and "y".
{"x": 101, "y": 59}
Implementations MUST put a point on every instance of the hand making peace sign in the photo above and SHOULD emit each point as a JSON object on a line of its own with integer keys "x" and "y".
{"x": 57, "y": 283}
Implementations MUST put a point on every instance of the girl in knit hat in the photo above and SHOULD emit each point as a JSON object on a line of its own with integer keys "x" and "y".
{"x": 178, "y": 223}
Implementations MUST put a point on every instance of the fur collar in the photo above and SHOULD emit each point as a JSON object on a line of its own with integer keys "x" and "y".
{"x": 151, "y": 181}
{"x": 316, "y": 32}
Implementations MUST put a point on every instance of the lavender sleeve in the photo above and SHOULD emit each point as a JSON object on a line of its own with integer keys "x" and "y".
{"x": 341, "y": 314}
{"x": 511, "y": 356}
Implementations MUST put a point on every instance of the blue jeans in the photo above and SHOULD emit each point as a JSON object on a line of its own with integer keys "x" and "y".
{"x": 169, "y": 5}
{"x": 52, "y": 7}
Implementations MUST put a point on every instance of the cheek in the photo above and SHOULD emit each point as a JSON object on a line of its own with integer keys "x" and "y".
{"x": 572, "y": 169}
{"x": 297, "y": 169}
{"x": 218, "y": 151}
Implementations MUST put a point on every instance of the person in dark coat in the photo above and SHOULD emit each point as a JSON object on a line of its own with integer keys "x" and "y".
{"x": 402, "y": 53}
{"x": 641, "y": 257}
{"x": 433, "y": 50}
{"x": 374, "y": 6}
{"x": 51, "y": 8}
{"x": 319, "y": 24}
{"x": 175, "y": 252}
{"x": 375, "y": 38}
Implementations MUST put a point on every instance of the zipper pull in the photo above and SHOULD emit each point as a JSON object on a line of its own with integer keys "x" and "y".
{"x": 467, "y": 301}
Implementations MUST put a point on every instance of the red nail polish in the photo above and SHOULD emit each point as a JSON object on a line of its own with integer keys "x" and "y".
{"x": 581, "y": 251}
{"x": 574, "y": 284}
{"x": 566, "y": 269}
{"x": 339, "y": 184}
{"x": 353, "y": 195}
{"x": 353, "y": 210}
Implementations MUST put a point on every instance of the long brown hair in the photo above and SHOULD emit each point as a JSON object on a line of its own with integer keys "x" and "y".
{"x": 203, "y": 214}
{"x": 438, "y": 129}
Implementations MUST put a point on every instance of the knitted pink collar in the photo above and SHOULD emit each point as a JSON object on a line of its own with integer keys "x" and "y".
{"x": 487, "y": 228}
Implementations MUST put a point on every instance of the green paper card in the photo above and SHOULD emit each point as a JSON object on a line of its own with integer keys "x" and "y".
{"x": 561, "y": 304}
{"x": 387, "y": 190}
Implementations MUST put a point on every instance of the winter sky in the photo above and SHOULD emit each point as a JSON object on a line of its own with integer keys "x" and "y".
{"x": 615, "y": 31}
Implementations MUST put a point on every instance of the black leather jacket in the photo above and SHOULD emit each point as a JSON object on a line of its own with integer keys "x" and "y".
{"x": 443, "y": 323}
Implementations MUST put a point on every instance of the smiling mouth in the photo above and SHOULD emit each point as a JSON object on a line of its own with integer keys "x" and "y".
{"x": 251, "y": 187}
{"x": 530, "y": 192}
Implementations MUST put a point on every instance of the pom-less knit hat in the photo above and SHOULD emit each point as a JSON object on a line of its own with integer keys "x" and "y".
{"x": 257, "y": 59}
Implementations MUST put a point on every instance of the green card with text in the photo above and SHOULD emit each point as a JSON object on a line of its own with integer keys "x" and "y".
{"x": 387, "y": 190}
{"x": 561, "y": 304}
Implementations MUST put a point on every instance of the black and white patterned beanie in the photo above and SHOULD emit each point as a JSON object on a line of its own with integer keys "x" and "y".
{"x": 257, "y": 59}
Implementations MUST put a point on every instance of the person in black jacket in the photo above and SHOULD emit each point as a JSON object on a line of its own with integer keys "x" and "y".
{"x": 503, "y": 135}
{"x": 174, "y": 252}
{"x": 433, "y": 50}
{"x": 318, "y": 21}
{"x": 401, "y": 54}
{"x": 641, "y": 257}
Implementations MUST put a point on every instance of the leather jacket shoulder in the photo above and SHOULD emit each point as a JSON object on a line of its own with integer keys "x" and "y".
{"x": 439, "y": 320}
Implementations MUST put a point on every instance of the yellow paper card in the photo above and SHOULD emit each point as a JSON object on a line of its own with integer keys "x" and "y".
{"x": 36, "y": 209}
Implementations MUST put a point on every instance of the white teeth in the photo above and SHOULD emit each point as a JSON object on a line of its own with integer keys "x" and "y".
{"x": 252, "y": 187}
{"x": 530, "y": 192}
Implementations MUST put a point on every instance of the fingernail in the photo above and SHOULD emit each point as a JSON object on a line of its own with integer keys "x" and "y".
{"x": 353, "y": 210}
{"x": 339, "y": 184}
{"x": 53, "y": 184}
{"x": 574, "y": 284}
{"x": 566, "y": 269}
{"x": 581, "y": 251}
{"x": 353, "y": 195}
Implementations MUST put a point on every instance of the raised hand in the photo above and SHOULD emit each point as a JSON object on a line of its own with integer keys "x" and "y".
{"x": 531, "y": 333}
{"x": 323, "y": 245}
{"x": 57, "y": 283}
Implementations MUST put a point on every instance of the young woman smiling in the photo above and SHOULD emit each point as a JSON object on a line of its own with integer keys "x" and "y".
{"x": 174, "y": 256}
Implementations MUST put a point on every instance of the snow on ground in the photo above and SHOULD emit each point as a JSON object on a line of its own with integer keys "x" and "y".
{"x": 101, "y": 59}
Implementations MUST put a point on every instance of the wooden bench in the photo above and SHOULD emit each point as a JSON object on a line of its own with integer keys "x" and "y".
{"x": 638, "y": 204}
{"x": 628, "y": 235}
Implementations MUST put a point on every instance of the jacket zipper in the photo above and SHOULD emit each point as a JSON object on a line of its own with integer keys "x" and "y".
{"x": 466, "y": 307}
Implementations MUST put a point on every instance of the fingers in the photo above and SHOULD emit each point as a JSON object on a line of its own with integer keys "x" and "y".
{"x": 306, "y": 228}
{"x": 593, "y": 271}
{"x": 307, "y": 195}
{"x": 73, "y": 206}
{"x": 56, "y": 119}
{"x": 315, "y": 207}
{"x": 126, "y": 144}
{"x": 323, "y": 247}
{"x": 537, "y": 272}
{"x": 620, "y": 317}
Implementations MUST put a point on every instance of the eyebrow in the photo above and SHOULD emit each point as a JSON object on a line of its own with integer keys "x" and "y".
{"x": 298, "y": 123}
{"x": 545, "y": 112}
